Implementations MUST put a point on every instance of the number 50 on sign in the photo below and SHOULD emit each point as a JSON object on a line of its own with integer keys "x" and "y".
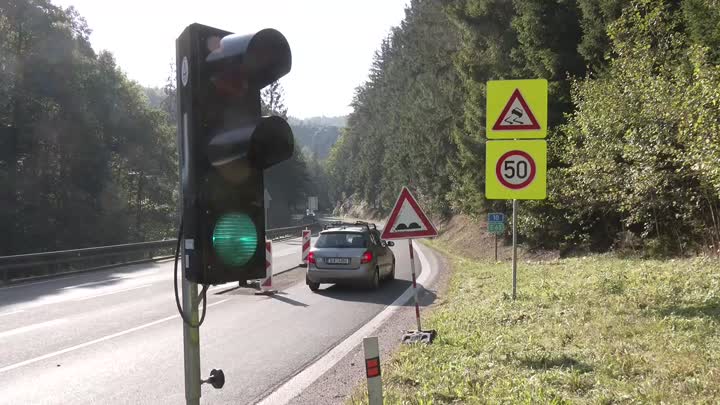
{"x": 516, "y": 170}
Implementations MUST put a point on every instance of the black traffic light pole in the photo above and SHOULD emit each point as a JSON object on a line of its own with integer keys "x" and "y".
{"x": 224, "y": 145}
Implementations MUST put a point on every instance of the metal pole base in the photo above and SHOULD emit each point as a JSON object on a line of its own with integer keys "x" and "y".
{"x": 268, "y": 292}
{"x": 422, "y": 336}
{"x": 217, "y": 379}
{"x": 249, "y": 284}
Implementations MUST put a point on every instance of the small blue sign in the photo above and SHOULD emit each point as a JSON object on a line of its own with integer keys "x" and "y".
{"x": 496, "y": 217}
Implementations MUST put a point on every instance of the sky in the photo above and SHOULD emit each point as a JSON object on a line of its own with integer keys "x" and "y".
{"x": 332, "y": 41}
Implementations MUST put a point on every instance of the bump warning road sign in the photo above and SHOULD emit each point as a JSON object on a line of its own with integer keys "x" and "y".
{"x": 407, "y": 220}
{"x": 516, "y": 170}
{"x": 517, "y": 109}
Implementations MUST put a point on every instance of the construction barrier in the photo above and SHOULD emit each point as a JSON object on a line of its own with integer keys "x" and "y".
{"x": 305, "y": 247}
{"x": 266, "y": 286}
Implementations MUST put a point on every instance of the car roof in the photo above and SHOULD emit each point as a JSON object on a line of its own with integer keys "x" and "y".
{"x": 340, "y": 225}
{"x": 346, "y": 229}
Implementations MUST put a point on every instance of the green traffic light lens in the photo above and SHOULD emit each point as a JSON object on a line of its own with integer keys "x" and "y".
{"x": 235, "y": 239}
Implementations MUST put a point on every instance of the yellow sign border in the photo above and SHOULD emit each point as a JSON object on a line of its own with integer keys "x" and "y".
{"x": 537, "y": 190}
{"x": 535, "y": 94}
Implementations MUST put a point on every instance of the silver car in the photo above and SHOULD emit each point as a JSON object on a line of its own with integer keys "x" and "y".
{"x": 350, "y": 254}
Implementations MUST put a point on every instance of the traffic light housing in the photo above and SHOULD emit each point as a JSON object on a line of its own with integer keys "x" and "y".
{"x": 224, "y": 146}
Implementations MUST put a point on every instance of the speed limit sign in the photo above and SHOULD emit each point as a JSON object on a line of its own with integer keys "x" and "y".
{"x": 516, "y": 170}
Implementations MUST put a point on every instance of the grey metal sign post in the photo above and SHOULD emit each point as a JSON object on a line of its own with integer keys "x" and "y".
{"x": 514, "y": 254}
{"x": 191, "y": 340}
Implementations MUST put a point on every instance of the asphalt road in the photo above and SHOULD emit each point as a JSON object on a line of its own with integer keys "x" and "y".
{"x": 114, "y": 336}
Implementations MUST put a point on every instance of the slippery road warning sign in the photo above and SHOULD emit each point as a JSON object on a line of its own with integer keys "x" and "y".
{"x": 407, "y": 220}
{"x": 516, "y": 170}
{"x": 516, "y": 115}
{"x": 516, "y": 109}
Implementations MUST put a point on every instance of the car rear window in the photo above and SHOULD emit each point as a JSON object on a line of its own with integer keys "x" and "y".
{"x": 341, "y": 240}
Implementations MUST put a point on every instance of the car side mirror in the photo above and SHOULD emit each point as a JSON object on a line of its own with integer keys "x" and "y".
{"x": 390, "y": 243}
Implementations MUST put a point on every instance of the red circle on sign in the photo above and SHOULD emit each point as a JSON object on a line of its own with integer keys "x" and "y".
{"x": 505, "y": 157}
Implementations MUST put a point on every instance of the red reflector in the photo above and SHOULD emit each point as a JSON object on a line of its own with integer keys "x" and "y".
{"x": 372, "y": 367}
{"x": 366, "y": 257}
{"x": 311, "y": 257}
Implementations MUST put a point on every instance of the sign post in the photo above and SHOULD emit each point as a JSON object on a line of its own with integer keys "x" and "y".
{"x": 516, "y": 153}
{"x": 191, "y": 340}
{"x": 372, "y": 370}
{"x": 415, "y": 292}
{"x": 408, "y": 221}
{"x": 496, "y": 226}
{"x": 267, "y": 198}
{"x": 514, "y": 254}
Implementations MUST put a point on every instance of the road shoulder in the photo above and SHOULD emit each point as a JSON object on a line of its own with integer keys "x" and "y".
{"x": 341, "y": 381}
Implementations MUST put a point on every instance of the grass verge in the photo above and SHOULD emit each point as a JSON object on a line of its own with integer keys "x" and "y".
{"x": 595, "y": 329}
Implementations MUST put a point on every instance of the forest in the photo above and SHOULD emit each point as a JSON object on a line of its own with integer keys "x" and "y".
{"x": 634, "y": 118}
{"x": 88, "y": 157}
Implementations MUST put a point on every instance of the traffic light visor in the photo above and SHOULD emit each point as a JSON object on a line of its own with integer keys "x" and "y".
{"x": 264, "y": 57}
{"x": 260, "y": 144}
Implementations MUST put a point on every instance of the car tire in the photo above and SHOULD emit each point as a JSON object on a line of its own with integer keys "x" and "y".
{"x": 313, "y": 286}
{"x": 375, "y": 280}
{"x": 391, "y": 276}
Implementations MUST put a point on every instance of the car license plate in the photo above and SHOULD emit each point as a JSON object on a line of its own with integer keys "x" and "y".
{"x": 337, "y": 260}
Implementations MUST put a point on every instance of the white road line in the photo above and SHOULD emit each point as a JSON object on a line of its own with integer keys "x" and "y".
{"x": 12, "y": 312}
{"x": 225, "y": 286}
{"x": 93, "y": 342}
{"x": 109, "y": 293}
{"x": 296, "y": 385}
{"x": 89, "y": 284}
{"x": 38, "y": 282}
{"x": 29, "y": 328}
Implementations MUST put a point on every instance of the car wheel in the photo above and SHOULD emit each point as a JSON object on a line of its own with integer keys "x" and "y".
{"x": 313, "y": 286}
{"x": 375, "y": 281}
{"x": 392, "y": 271}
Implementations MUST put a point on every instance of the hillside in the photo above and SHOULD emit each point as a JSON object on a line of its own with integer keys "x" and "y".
{"x": 632, "y": 131}
{"x": 317, "y": 135}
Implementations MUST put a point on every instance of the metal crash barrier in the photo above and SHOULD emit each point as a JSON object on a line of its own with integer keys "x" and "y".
{"x": 34, "y": 265}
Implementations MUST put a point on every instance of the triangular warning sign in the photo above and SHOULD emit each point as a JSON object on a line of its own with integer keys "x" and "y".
{"x": 407, "y": 220}
{"x": 516, "y": 115}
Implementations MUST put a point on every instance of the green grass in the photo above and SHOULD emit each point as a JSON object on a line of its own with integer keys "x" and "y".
{"x": 596, "y": 329}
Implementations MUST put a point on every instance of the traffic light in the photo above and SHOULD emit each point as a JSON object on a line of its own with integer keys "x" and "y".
{"x": 224, "y": 146}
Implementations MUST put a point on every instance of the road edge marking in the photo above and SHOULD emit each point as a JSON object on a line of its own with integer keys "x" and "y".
{"x": 95, "y": 341}
{"x": 301, "y": 381}
{"x": 32, "y": 327}
{"x": 106, "y": 293}
{"x": 11, "y": 312}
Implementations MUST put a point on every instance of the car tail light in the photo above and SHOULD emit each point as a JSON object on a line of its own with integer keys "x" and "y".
{"x": 311, "y": 258}
{"x": 366, "y": 257}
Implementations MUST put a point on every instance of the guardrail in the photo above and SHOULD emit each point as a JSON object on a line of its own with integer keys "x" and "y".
{"x": 33, "y": 265}
{"x": 291, "y": 232}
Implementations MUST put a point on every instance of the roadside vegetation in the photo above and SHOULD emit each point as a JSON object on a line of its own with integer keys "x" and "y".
{"x": 88, "y": 157}
{"x": 634, "y": 118}
{"x": 593, "y": 329}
